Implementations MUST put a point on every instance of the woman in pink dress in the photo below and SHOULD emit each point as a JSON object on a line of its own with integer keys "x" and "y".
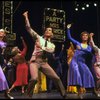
{"x": 22, "y": 67}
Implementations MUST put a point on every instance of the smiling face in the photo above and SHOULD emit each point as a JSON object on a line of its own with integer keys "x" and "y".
{"x": 85, "y": 36}
{"x": 48, "y": 32}
{"x": 2, "y": 33}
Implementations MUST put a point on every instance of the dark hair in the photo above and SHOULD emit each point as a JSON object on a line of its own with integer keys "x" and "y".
{"x": 46, "y": 28}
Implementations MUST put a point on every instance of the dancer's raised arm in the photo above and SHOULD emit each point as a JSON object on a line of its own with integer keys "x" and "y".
{"x": 28, "y": 26}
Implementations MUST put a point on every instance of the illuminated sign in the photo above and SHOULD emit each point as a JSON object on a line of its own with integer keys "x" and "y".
{"x": 55, "y": 18}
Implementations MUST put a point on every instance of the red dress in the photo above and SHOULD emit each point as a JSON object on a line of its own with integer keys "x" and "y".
{"x": 22, "y": 68}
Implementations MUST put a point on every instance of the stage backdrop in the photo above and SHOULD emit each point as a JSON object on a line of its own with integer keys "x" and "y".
{"x": 7, "y": 24}
{"x": 7, "y": 21}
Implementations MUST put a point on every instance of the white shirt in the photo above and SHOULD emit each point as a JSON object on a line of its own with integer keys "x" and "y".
{"x": 38, "y": 52}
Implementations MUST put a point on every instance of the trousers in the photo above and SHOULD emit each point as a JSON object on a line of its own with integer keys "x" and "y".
{"x": 42, "y": 64}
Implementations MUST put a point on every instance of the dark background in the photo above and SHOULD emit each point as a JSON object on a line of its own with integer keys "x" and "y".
{"x": 88, "y": 20}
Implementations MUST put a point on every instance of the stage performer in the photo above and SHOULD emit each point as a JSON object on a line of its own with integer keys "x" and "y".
{"x": 39, "y": 59}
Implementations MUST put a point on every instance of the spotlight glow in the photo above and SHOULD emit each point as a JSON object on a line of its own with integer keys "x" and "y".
{"x": 87, "y": 5}
{"x": 76, "y": 9}
{"x": 83, "y": 8}
{"x": 95, "y": 4}
{"x": 77, "y": 5}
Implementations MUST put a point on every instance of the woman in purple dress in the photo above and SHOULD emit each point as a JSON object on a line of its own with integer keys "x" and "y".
{"x": 3, "y": 81}
{"x": 79, "y": 73}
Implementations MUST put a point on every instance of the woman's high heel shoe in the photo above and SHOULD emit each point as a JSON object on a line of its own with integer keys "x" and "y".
{"x": 7, "y": 95}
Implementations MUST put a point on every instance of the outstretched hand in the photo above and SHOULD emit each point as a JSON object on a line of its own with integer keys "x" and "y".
{"x": 25, "y": 13}
{"x": 91, "y": 34}
{"x": 69, "y": 26}
{"x": 21, "y": 38}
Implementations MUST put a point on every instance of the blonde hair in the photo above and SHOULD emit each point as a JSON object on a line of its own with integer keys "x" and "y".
{"x": 14, "y": 51}
{"x": 85, "y": 32}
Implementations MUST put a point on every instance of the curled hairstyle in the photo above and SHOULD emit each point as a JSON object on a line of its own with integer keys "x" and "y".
{"x": 85, "y": 32}
{"x": 14, "y": 51}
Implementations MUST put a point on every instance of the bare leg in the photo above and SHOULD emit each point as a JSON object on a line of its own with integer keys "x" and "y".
{"x": 11, "y": 88}
{"x": 23, "y": 89}
{"x": 7, "y": 95}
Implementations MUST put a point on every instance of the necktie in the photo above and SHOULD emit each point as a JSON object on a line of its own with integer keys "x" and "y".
{"x": 44, "y": 52}
{"x": 46, "y": 42}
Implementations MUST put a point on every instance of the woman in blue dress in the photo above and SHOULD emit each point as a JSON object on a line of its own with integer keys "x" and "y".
{"x": 79, "y": 73}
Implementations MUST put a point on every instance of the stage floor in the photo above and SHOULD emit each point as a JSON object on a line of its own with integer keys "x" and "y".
{"x": 45, "y": 95}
